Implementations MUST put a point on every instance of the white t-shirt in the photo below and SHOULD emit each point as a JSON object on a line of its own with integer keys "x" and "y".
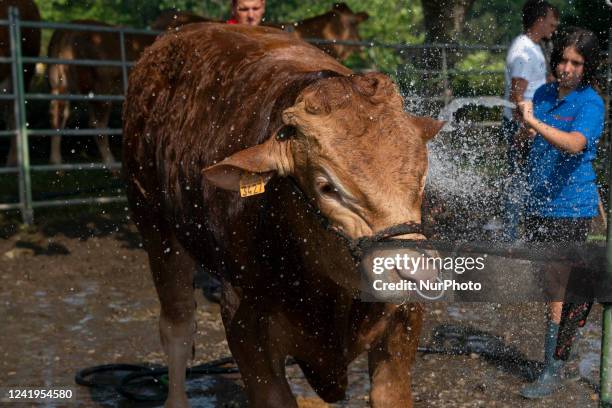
{"x": 525, "y": 60}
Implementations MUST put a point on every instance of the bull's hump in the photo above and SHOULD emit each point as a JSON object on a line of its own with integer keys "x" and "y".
{"x": 255, "y": 43}
{"x": 306, "y": 58}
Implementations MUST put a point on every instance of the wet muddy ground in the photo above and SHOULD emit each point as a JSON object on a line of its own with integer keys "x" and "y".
{"x": 76, "y": 293}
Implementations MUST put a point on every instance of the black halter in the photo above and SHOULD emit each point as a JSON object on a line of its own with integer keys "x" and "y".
{"x": 357, "y": 246}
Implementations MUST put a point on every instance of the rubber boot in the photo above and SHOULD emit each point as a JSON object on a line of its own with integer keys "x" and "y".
{"x": 551, "y": 379}
{"x": 572, "y": 372}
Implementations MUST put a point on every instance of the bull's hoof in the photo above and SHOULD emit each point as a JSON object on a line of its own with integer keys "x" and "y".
{"x": 304, "y": 402}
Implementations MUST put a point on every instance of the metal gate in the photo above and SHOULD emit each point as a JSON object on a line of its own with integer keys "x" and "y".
{"x": 22, "y": 132}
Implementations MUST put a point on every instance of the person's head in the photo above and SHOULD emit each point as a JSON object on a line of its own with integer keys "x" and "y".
{"x": 249, "y": 12}
{"x": 541, "y": 18}
{"x": 575, "y": 58}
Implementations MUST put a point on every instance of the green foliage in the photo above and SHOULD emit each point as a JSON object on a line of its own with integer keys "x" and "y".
{"x": 392, "y": 23}
{"x": 489, "y": 22}
{"x": 499, "y": 21}
{"x": 125, "y": 12}
{"x": 471, "y": 81}
{"x": 594, "y": 15}
{"x": 389, "y": 22}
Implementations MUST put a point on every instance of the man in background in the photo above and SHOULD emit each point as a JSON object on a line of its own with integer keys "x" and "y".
{"x": 248, "y": 12}
{"x": 526, "y": 71}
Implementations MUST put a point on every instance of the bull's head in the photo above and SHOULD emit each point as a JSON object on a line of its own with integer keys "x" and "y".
{"x": 353, "y": 149}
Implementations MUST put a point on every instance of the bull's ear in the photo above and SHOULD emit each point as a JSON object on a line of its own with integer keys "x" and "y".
{"x": 341, "y": 7}
{"x": 361, "y": 17}
{"x": 429, "y": 127}
{"x": 264, "y": 159}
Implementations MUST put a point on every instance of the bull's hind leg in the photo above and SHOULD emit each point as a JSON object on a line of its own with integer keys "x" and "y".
{"x": 99, "y": 114}
{"x": 60, "y": 112}
{"x": 391, "y": 358}
{"x": 259, "y": 355}
{"x": 172, "y": 270}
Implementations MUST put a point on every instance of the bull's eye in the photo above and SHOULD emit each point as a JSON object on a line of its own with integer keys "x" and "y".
{"x": 326, "y": 189}
{"x": 286, "y": 132}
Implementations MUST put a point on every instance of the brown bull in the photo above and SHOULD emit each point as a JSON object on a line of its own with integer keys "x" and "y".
{"x": 30, "y": 47}
{"x": 203, "y": 115}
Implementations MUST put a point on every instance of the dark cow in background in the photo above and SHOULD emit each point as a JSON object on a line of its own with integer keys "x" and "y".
{"x": 174, "y": 19}
{"x": 218, "y": 105}
{"x": 340, "y": 23}
{"x": 30, "y": 47}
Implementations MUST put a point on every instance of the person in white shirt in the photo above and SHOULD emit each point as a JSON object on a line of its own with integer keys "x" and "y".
{"x": 525, "y": 72}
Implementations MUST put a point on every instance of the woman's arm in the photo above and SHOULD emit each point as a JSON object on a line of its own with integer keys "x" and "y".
{"x": 570, "y": 142}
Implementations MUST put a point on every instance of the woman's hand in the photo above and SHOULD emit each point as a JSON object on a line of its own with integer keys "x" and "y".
{"x": 569, "y": 142}
{"x": 526, "y": 108}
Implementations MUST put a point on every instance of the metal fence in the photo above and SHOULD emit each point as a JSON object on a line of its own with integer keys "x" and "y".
{"x": 26, "y": 204}
{"x": 22, "y": 132}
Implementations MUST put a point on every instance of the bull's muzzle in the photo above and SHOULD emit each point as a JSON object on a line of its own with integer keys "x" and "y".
{"x": 397, "y": 273}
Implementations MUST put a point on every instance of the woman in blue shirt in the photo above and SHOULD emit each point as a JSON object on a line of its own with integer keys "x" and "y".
{"x": 567, "y": 119}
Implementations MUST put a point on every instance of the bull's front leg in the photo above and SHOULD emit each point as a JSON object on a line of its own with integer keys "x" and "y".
{"x": 172, "y": 269}
{"x": 260, "y": 357}
{"x": 390, "y": 359}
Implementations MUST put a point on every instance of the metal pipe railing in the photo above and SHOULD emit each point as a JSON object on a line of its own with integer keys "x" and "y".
{"x": 83, "y": 27}
{"x": 76, "y": 166}
{"x": 378, "y": 44}
{"x": 23, "y": 153}
{"x": 605, "y": 368}
{"x": 69, "y": 97}
{"x": 75, "y": 132}
{"x": 95, "y": 63}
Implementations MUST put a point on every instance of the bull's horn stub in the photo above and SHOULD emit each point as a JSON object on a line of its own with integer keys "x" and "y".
{"x": 251, "y": 184}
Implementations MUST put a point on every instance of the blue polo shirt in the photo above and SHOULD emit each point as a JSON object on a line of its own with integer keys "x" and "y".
{"x": 562, "y": 185}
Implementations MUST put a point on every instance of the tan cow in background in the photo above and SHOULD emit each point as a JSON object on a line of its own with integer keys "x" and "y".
{"x": 81, "y": 79}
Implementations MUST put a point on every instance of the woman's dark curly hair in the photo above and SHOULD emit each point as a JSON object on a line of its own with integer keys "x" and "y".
{"x": 586, "y": 44}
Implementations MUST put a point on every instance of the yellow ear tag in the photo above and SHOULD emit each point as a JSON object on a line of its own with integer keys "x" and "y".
{"x": 251, "y": 184}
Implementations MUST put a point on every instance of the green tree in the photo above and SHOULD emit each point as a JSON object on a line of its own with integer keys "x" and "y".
{"x": 594, "y": 15}
{"x": 137, "y": 13}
